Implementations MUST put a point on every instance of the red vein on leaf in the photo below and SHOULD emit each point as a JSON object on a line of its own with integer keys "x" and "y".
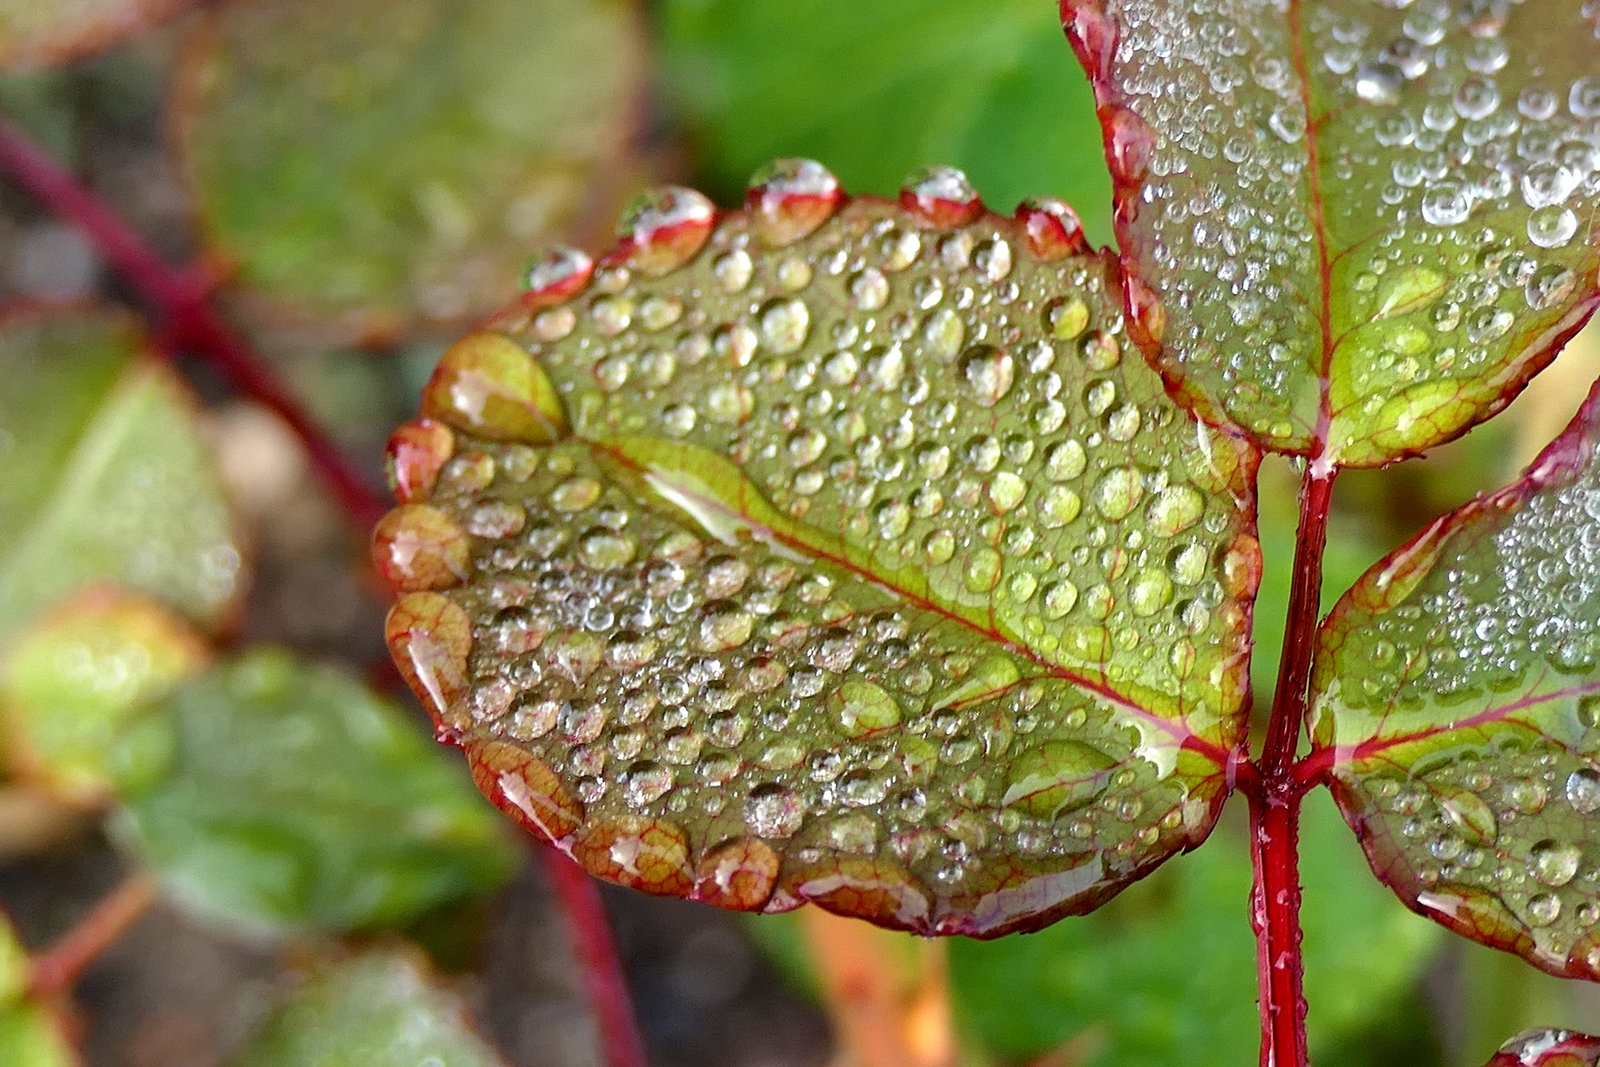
{"x": 1319, "y": 228}
{"x": 53, "y": 973}
{"x": 1180, "y": 734}
{"x": 180, "y": 300}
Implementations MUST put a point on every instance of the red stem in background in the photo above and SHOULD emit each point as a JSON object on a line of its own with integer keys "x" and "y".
{"x": 596, "y": 950}
{"x": 55, "y": 971}
{"x": 181, "y": 301}
{"x": 1275, "y": 797}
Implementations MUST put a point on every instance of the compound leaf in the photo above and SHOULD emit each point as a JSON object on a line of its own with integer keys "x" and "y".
{"x": 103, "y": 476}
{"x": 1353, "y": 229}
{"x": 1458, "y": 709}
{"x": 835, "y": 552}
{"x": 407, "y": 186}
{"x": 379, "y": 1009}
{"x": 297, "y": 799}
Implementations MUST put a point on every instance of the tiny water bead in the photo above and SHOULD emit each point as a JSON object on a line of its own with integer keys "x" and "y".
{"x": 830, "y": 543}
{"x": 1447, "y": 137}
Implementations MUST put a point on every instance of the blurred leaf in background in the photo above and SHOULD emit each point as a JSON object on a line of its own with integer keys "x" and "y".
{"x": 378, "y": 1009}
{"x": 297, "y": 799}
{"x": 875, "y": 90}
{"x": 393, "y": 162}
{"x": 77, "y": 687}
{"x": 31, "y": 1035}
{"x": 103, "y": 476}
{"x": 39, "y": 32}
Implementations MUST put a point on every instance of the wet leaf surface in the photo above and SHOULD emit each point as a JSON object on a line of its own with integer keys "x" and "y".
{"x": 1351, "y": 224}
{"x": 836, "y": 553}
{"x": 1164, "y": 976}
{"x": 102, "y": 473}
{"x": 379, "y": 1009}
{"x": 297, "y": 799}
{"x": 982, "y": 85}
{"x": 1458, "y": 691}
{"x": 37, "y": 33}
{"x": 393, "y": 162}
{"x": 76, "y": 693}
{"x": 1548, "y": 1048}
{"x": 30, "y": 1035}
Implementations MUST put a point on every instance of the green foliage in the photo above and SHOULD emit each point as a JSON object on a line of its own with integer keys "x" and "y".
{"x": 1458, "y": 689}
{"x": 874, "y": 89}
{"x": 406, "y": 186}
{"x": 938, "y": 696}
{"x": 295, "y": 799}
{"x": 1297, "y": 258}
{"x": 378, "y": 1009}
{"x": 76, "y": 693}
{"x": 31, "y": 1035}
{"x": 105, "y": 477}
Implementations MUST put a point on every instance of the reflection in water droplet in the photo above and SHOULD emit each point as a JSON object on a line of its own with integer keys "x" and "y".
{"x": 1555, "y": 863}
{"x": 774, "y": 812}
{"x": 988, "y": 372}
{"x": 785, "y": 322}
{"x": 1583, "y": 790}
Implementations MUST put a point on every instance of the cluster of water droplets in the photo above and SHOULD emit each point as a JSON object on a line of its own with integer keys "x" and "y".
{"x": 1457, "y": 173}
{"x": 1213, "y": 184}
{"x": 952, "y": 410}
{"x": 1513, "y": 606}
{"x": 1483, "y": 680}
{"x": 1481, "y": 165}
{"x": 869, "y": 546}
{"x": 1494, "y": 835}
{"x": 748, "y": 693}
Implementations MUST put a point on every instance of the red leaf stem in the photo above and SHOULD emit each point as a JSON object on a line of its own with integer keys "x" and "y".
{"x": 1275, "y": 794}
{"x": 579, "y": 897}
{"x": 1299, "y": 639}
{"x": 180, "y": 301}
{"x": 55, "y": 971}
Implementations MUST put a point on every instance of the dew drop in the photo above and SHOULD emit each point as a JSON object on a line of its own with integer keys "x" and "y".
{"x": 774, "y": 812}
{"x": 785, "y": 323}
{"x": 1552, "y": 227}
{"x": 1583, "y": 790}
{"x": 989, "y": 372}
{"x": 1554, "y": 863}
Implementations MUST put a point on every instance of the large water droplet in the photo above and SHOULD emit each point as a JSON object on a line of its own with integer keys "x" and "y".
{"x": 1554, "y": 863}
{"x": 988, "y": 372}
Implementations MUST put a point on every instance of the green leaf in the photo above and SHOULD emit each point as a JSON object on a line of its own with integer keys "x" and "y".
{"x": 1457, "y": 696}
{"x": 102, "y": 473}
{"x": 30, "y": 1034}
{"x": 298, "y": 799}
{"x": 835, "y": 552}
{"x": 76, "y": 690}
{"x": 1548, "y": 1048}
{"x": 379, "y": 1009}
{"x": 37, "y": 33}
{"x": 872, "y": 87}
{"x": 407, "y": 186}
{"x": 1165, "y": 975}
{"x": 1354, "y": 230}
